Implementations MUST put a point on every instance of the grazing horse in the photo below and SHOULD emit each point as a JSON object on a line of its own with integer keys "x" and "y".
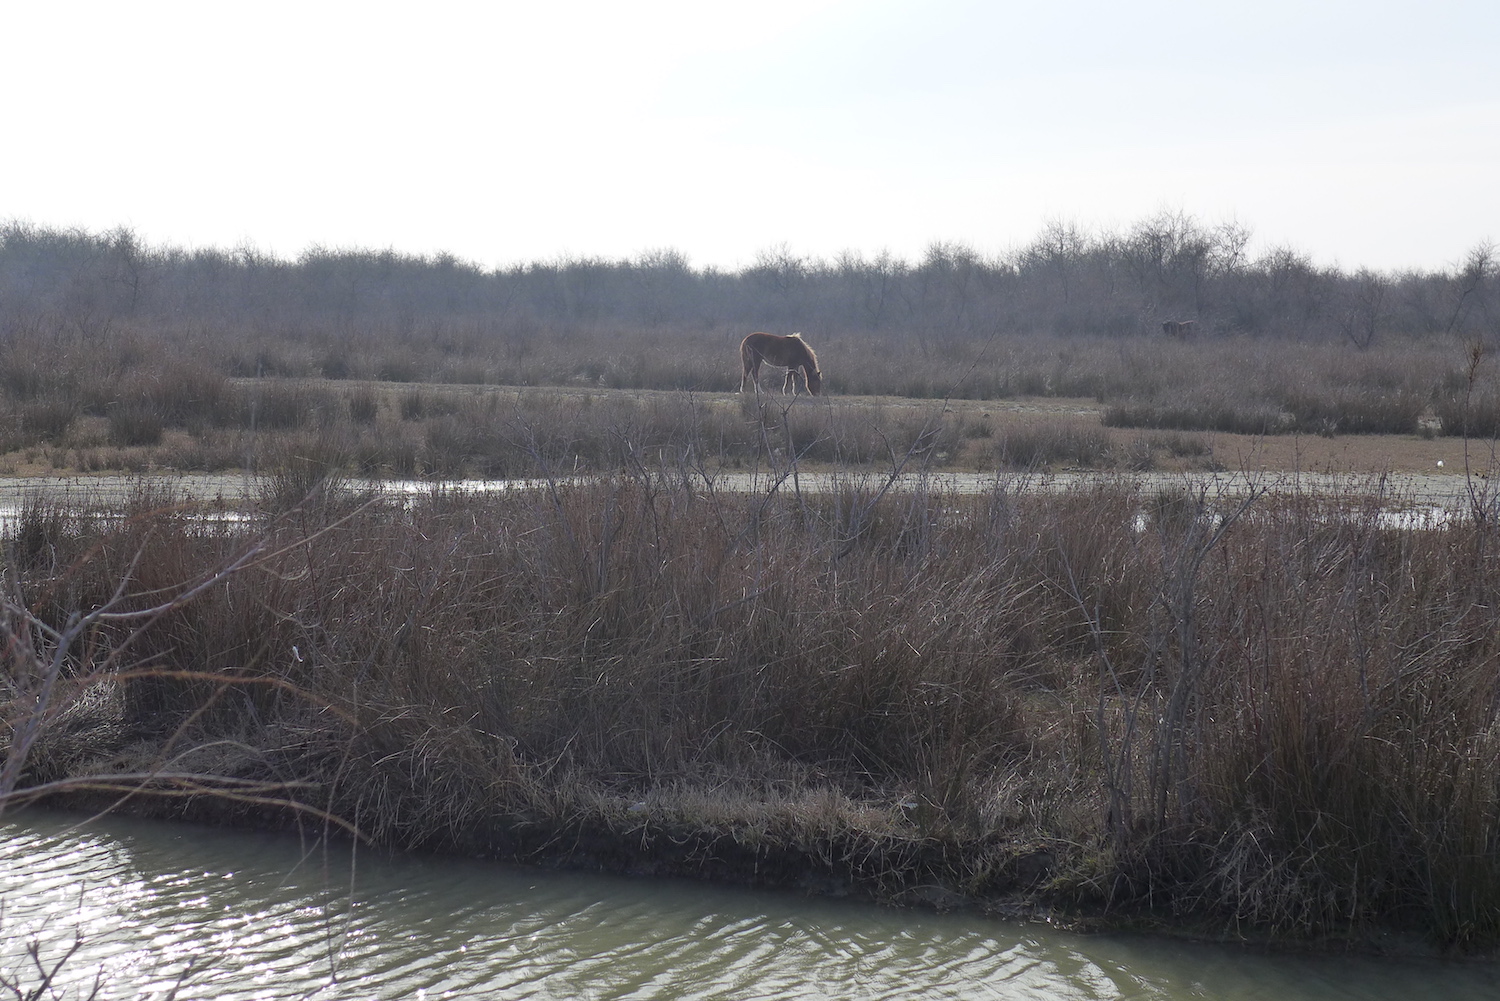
{"x": 789, "y": 352}
{"x": 1180, "y": 329}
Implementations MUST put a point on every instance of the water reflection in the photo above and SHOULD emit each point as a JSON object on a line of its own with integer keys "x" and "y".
{"x": 235, "y": 915}
{"x": 1408, "y": 502}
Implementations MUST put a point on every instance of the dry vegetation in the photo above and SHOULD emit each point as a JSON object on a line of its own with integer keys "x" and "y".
{"x": 1273, "y": 714}
{"x": 119, "y": 356}
{"x": 1265, "y": 715}
{"x": 1153, "y": 406}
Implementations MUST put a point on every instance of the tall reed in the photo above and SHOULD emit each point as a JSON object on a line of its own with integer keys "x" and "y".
{"x": 1273, "y": 714}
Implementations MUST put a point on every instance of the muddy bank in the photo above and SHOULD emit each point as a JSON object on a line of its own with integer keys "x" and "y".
{"x": 1017, "y": 881}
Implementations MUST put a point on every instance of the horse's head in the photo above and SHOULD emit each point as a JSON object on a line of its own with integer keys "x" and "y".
{"x": 814, "y": 380}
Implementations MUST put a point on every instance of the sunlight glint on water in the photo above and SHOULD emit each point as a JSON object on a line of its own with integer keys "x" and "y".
{"x": 249, "y": 916}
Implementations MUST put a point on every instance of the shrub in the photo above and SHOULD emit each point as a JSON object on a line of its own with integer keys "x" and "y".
{"x": 1477, "y": 416}
{"x": 283, "y": 405}
{"x": 46, "y": 419}
{"x": 1036, "y": 446}
{"x": 134, "y": 424}
{"x": 364, "y": 405}
{"x": 413, "y": 404}
{"x": 184, "y": 394}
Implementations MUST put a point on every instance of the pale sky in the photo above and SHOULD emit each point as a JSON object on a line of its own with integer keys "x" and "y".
{"x": 1361, "y": 133}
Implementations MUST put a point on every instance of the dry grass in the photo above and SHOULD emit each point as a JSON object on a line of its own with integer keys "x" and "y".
{"x": 201, "y": 399}
{"x": 1280, "y": 716}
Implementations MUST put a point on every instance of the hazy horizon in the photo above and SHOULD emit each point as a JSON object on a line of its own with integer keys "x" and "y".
{"x": 1359, "y": 134}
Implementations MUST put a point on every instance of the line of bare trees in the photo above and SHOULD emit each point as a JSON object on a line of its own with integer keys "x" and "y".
{"x": 1066, "y": 281}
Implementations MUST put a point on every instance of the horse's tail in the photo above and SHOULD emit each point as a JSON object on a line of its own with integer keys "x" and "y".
{"x": 749, "y": 361}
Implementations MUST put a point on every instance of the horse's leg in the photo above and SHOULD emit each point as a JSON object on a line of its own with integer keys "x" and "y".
{"x": 790, "y": 383}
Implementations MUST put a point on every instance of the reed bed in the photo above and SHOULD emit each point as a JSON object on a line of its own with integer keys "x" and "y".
{"x": 449, "y": 432}
{"x": 1263, "y": 715}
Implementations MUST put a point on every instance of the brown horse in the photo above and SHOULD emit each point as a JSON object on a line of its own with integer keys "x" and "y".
{"x": 1180, "y": 329}
{"x": 789, "y": 352}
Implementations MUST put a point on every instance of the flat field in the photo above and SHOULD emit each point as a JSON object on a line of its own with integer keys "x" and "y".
{"x": 457, "y": 431}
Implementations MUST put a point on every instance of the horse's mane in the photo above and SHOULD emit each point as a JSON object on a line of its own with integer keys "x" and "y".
{"x": 811, "y": 357}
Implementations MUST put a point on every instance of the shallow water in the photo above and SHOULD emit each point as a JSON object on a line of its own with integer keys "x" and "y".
{"x": 1407, "y": 503}
{"x": 241, "y": 916}
{"x": 1419, "y": 498}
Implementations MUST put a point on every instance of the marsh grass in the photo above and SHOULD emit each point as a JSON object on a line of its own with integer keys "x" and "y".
{"x": 1276, "y": 715}
{"x": 1276, "y": 718}
{"x": 1476, "y": 416}
{"x": 1041, "y": 446}
{"x": 1201, "y": 412}
{"x": 42, "y": 420}
{"x": 457, "y": 432}
{"x": 1257, "y": 387}
{"x": 364, "y": 404}
{"x": 211, "y": 379}
{"x": 134, "y": 425}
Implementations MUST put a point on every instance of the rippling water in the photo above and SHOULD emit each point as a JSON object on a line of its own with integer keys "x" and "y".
{"x": 234, "y": 915}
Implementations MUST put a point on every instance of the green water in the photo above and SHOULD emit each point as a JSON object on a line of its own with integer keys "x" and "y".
{"x": 155, "y": 907}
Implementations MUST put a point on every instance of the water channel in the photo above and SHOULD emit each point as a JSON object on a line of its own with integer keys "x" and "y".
{"x": 156, "y": 907}
{"x": 1413, "y": 499}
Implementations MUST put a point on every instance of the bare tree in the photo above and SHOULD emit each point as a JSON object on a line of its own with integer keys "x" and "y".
{"x": 1364, "y": 307}
{"x": 1472, "y": 284}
